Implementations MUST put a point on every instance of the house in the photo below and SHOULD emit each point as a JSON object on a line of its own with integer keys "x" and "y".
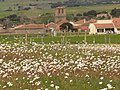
{"x": 116, "y": 22}
{"x": 78, "y": 26}
{"x": 50, "y": 27}
{"x": 2, "y": 30}
{"x": 1, "y": 26}
{"x": 30, "y": 29}
{"x": 105, "y": 26}
{"x": 103, "y": 15}
{"x": 102, "y": 27}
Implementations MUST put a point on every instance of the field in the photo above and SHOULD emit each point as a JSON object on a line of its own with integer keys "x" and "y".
{"x": 55, "y": 66}
{"x": 68, "y": 39}
{"x": 36, "y": 12}
{"x": 59, "y": 67}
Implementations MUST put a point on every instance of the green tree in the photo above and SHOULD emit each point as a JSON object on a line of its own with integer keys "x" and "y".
{"x": 115, "y": 12}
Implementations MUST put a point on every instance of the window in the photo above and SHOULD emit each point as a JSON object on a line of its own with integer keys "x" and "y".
{"x": 59, "y": 11}
{"x": 100, "y": 30}
{"x": 118, "y": 29}
{"x": 62, "y": 10}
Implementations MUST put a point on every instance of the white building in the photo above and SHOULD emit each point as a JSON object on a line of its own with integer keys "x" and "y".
{"x": 105, "y": 26}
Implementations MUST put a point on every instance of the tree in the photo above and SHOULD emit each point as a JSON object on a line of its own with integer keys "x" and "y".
{"x": 90, "y": 14}
{"x": 45, "y": 18}
{"x": 79, "y": 14}
{"x": 70, "y": 17}
{"x": 115, "y": 12}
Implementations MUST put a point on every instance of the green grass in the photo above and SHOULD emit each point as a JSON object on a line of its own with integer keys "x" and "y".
{"x": 98, "y": 39}
{"x": 20, "y": 56}
{"x": 98, "y": 8}
{"x": 78, "y": 83}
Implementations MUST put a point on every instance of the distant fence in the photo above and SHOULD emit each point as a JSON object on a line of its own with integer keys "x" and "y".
{"x": 73, "y": 39}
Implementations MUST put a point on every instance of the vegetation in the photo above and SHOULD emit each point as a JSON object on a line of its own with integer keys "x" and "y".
{"x": 73, "y": 39}
{"x": 59, "y": 67}
{"x": 115, "y": 12}
{"x": 40, "y": 12}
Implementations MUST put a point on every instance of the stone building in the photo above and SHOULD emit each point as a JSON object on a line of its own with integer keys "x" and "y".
{"x": 60, "y": 14}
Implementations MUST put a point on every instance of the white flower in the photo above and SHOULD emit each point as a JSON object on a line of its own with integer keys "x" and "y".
{"x": 9, "y": 84}
{"x": 100, "y": 83}
{"x": 51, "y": 85}
{"x": 16, "y": 79}
{"x": 110, "y": 80}
{"x": 67, "y": 74}
{"x": 4, "y": 86}
{"x": 101, "y": 78}
{"x": 37, "y": 83}
{"x": 87, "y": 76}
{"x": 48, "y": 74}
{"x": 1, "y": 60}
{"x": 88, "y": 82}
{"x": 57, "y": 87}
{"x": 71, "y": 81}
{"x": 109, "y": 86}
{"x": 66, "y": 77}
{"x": 104, "y": 89}
{"x": 5, "y": 75}
{"x": 46, "y": 89}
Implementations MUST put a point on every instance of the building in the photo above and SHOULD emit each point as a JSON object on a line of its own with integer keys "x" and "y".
{"x": 103, "y": 27}
{"x": 50, "y": 27}
{"x": 116, "y": 22}
{"x": 30, "y": 29}
{"x": 2, "y": 30}
{"x": 60, "y": 14}
{"x": 104, "y": 15}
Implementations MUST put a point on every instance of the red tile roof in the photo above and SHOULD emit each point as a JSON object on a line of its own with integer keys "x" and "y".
{"x": 80, "y": 22}
{"x": 84, "y": 28}
{"x": 62, "y": 21}
{"x": 91, "y": 21}
{"x": 76, "y": 27}
{"x": 107, "y": 25}
{"x": 116, "y": 22}
{"x": 51, "y": 24}
{"x": 31, "y": 26}
{"x": 57, "y": 27}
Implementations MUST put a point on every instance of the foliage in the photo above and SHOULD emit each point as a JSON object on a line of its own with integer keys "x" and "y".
{"x": 90, "y": 14}
{"x": 58, "y": 67}
{"x": 115, "y": 12}
{"x": 73, "y": 38}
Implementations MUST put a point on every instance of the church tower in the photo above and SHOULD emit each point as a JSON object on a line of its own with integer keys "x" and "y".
{"x": 60, "y": 14}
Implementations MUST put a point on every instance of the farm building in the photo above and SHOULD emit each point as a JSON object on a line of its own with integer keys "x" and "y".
{"x": 78, "y": 26}
{"x": 50, "y": 27}
{"x": 1, "y": 26}
{"x": 105, "y": 26}
{"x": 116, "y": 22}
{"x": 2, "y": 30}
{"x": 30, "y": 29}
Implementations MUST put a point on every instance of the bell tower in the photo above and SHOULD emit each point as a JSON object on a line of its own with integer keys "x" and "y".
{"x": 60, "y": 14}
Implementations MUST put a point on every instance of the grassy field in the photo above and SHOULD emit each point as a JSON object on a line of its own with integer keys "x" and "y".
{"x": 72, "y": 39}
{"x": 36, "y": 12}
{"x": 59, "y": 67}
